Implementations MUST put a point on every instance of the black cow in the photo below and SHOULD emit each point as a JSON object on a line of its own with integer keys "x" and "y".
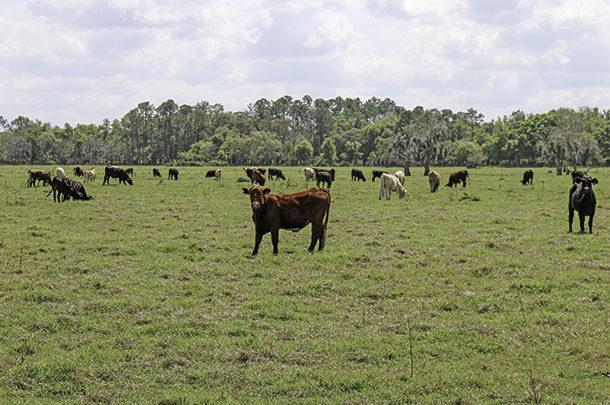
{"x": 582, "y": 199}
{"x": 378, "y": 173}
{"x": 528, "y": 177}
{"x": 457, "y": 177}
{"x": 211, "y": 173}
{"x": 357, "y": 175}
{"x": 277, "y": 173}
{"x": 116, "y": 173}
{"x": 324, "y": 176}
{"x": 78, "y": 171}
{"x": 156, "y": 172}
{"x": 66, "y": 188}
{"x": 173, "y": 174}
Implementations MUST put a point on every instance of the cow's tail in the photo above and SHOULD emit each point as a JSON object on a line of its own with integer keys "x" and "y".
{"x": 326, "y": 219}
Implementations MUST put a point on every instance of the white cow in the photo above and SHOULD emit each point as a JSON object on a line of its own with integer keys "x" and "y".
{"x": 400, "y": 175}
{"x": 434, "y": 179}
{"x": 59, "y": 172}
{"x": 310, "y": 174}
{"x": 90, "y": 175}
{"x": 218, "y": 174}
{"x": 389, "y": 183}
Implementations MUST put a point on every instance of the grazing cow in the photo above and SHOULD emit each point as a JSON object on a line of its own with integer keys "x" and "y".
{"x": 90, "y": 175}
{"x": 116, "y": 173}
{"x": 211, "y": 173}
{"x": 458, "y": 177}
{"x": 389, "y": 183}
{"x": 378, "y": 173}
{"x": 218, "y": 175}
{"x": 310, "y": 174}
{"x": 172, "y": 174}
{"x": 277, "y": 173}
{"x": 35, "y": 175}
{"x": 323, "y": 176}
{"x": 400, "y": 175}
{"x": 78, "y": 171}
{"x": 129, "y": 171}
{"x": 59, "y": 172}
{"x": 435, "y": 180}
{"x": 528, "y": 177}
{"x": 156, "y": 172}
{"x": 258, "y": 177}
{"x": 66, "y": 188}
{"x": 250, "y": 170}
{"x": 357, "y": 175}
{"x": 272, "y": 212}
{"x": 582, "y": 199}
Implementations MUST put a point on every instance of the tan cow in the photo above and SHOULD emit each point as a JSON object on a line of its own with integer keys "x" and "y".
{"x": 90, "y": 175}
{"x": 400, "y": 175}
{"x": 389, "y": 183}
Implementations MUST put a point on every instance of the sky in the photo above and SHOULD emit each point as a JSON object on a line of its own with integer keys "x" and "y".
{"x": 81, "y": 61}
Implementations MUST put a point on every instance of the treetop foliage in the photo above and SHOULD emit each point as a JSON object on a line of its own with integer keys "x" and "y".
{"x": 306, "y": 131}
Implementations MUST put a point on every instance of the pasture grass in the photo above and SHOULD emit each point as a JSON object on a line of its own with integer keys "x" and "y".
{"x": 147, "y": 294}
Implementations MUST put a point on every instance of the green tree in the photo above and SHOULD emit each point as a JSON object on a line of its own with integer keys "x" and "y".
{"x": 329, "y": 152}
{"x": 303, "y": 152}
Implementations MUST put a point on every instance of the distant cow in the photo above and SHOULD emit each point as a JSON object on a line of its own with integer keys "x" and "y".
{"x": 172, "y": 174}
{"x": 35, "y": 176}
{"x": 129, "y": 171}
{"x": 400, "y": 175}
{"x": 210, "y": 173}
{"x": 528, "y": 177}
{"x": 377, "y": 173}
{"x": 250, "y": 170}
{"x": 272, "y": 212}
{"x": 582, "y": 199}
{"x": 116, "y": 173}
{"x": 310, "y": 174}
{"x": 277, "y": 173}
{"x": 78, "y": 171}
{"x": 156, "y": 172}
{"x": 324, "y": 177}
{"x": 435, "y": 180}
{"x": 258, "y": 177}
{"x": 67, "y": 188}
{"x": 218, "y": 175}
{"x": 458, "y": 177}
{"x": 389, "y": 183}
{"x": 357, "y": 175}
{"x": 59, "y": 172}
{"x": 90, "y": 175}
{"x": 330, "y": 171}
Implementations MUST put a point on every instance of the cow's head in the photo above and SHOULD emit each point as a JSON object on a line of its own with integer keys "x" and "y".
{"x": 257, "y": 196}
{"x": 401, "y": 191}
{"x": 585, "y": 182}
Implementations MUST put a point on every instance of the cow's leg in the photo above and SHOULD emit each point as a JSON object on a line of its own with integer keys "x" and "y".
{"x": 315, "y": 236}
{"x": 464, "y": 183}
{"x": 581, "y": 217}
{"x": 257, "y": 242}
{"x": 380, "y": 192}
{"x": 591, "y": 222}
{"x": 570, "y": 216}
{"x": 275, "y": 237}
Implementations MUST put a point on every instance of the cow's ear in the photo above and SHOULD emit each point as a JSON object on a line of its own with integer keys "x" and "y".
{"x": 266, "y": 191}
{"x": 594, "y": 181}
{"x": 578, "y": 180}
{"x": 246, "y": 191}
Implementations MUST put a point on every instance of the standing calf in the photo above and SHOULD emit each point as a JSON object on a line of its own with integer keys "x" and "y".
{"x": 528, "y": 177}
{"x": 457, "y": 177}
{"x": 582, "y": 199}
{"x": 272, "y": 212}
{"x": 156, "y": 172}
{"x": 173, "y": 174}
{"x": 357, "y": 175}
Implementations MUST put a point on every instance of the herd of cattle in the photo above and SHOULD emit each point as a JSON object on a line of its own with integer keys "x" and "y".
{"x": 271, "y": 212}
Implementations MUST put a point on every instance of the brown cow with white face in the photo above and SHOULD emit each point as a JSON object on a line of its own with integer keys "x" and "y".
{"x": 272, "y": 212}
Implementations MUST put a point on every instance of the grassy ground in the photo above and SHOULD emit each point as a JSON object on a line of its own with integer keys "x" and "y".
{"x": 148, "y": 294}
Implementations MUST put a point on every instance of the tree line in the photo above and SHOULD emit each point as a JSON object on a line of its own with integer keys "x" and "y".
{"x": 337, "y": 131}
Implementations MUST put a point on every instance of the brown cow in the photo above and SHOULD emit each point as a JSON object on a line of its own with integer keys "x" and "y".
{"x": 458, "y": 177}
{"x": 78, "y": 171}
{"x": 272, "y": 212}
{"x": 129, "y": 171}
{"x": 434, "y": 179}
{"x": 35, "y": 175}
{"x": 258, "y": 177}
{"x": 528, "y": 177}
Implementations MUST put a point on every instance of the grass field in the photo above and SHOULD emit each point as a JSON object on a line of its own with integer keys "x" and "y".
{"x": 147, "y": 294}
